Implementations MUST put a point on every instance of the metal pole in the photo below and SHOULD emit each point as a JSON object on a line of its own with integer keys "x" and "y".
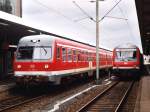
{"x": 97, "y": 40}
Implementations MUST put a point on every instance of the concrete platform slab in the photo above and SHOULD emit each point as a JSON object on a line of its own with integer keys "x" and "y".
{"x": 143, "y": 100}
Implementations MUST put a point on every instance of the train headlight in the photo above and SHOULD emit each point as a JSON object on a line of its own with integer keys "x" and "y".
{"x": 46, "y": 66}
{"x": 18, "y": 66}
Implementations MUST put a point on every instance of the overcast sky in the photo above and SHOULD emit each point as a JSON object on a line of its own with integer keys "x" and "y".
{"x": 61, "y": 17}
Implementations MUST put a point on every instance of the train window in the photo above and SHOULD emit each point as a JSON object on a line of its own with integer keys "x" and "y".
{"x": 64, "y": 54}
{"x": 86, "y": 56}
{"x": 82, "y": 56}
{"x": 42, "y": 52}
{"x": 126, "y": 55}
{"x": 89, "y": 57}
{"x": 24, "y": 52}
{"x": 69, "y": 52}
{"x": 58, "y": 52}
{"x": 74, "y": 55}
{"x": 34, "y": 52}
{"x": 74, "y": 52}
{"x": 79, "y": 56}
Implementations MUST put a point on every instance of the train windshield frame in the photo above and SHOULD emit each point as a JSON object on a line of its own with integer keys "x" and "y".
{"x": 34, "y": 53}
{"x": 125, "y": 54}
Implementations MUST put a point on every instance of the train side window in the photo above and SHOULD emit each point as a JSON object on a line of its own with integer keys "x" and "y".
{"x": 69, "y": 52}
{"x": 86, "y": 54}
{"x": 58, "y": 52}
{"x": 79, "y": 56}
{"x": 64, "y": 54}
{"x": 82, "y": 56}
{"x": 74, "y": 55}
{"x": 89, "y": 56}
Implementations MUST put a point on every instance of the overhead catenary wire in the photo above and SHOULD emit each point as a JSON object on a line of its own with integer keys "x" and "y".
{"x": 91, "y": 18}
{"x": 131, "y": 33}
{"x": 110, "y": 10}
{"x": 116, "y": 17}
{"x": 58, "y": 13}
{"x": 53, "y": 10}
{"x": 84, "y": 12}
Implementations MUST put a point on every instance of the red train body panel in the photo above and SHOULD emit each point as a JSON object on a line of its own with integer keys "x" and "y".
{"x": 49, "y": 58}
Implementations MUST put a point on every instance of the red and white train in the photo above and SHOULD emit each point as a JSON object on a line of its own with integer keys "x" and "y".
{"x": 126, "y": 59}
{"x": 44, "y": 58}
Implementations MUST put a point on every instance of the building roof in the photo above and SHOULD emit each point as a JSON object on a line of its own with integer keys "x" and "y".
{"x": 143, "y": 12}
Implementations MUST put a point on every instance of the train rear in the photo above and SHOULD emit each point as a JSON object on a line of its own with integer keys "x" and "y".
{"x": 126, "y": 60}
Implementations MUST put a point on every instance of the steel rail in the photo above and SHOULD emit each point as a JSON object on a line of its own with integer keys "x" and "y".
{"x": 21, "y": 103}
{"x": 124, "y": 97}
{"x": 99, "y": 95}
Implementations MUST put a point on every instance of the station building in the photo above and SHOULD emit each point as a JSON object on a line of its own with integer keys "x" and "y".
{"x": 11, "y": 6}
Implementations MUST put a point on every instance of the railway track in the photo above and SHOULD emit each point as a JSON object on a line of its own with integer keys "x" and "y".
{"x": 16, "y": 101}
{"x": 110, "y": 100}
{"x": 6, "y": 81}
{"x": 21, "y": 101}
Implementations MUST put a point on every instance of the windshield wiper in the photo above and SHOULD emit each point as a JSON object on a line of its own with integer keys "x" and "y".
{"x": 44, "y": 50}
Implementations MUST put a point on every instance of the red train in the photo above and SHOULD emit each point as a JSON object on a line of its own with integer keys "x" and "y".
{"x": 44, "y": 58}
{"x": 126, "y": 59}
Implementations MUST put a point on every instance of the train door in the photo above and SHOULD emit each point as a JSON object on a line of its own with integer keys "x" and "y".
{"x": 58, "y": 57}
{"x": 90, "y": 61}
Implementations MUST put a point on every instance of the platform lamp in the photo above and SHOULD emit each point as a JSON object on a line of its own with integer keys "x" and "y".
{"x": 97, "y": 40}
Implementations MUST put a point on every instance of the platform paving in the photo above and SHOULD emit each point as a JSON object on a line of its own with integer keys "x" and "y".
{"x": 143, "y": 99}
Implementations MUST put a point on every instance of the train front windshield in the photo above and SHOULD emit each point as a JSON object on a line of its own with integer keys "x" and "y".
{"x": 126, "y": 55}
{"x": 34, "y": 53}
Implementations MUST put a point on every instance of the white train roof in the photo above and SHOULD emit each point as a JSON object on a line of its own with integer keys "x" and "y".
{"x": 127, "y": 45}
{"x": 44, "y": 40}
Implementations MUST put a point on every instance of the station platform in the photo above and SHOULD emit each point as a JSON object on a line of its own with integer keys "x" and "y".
{"x": 143, "y": 98}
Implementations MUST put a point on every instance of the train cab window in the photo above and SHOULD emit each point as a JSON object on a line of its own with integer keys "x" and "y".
{"x": 64, "y": 58}
{"x": 34, "y": 53}
{"x": 58, "y": 52}
{"x": 24, "y": 52}
{"x": 69, "y": 52}
{"x": 42, "y": 53}
{"x": 126, "y": 55}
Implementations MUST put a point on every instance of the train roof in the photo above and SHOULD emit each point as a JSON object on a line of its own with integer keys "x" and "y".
{"x": 128, "y": 45}
{"x": 31, "y": 40}
{"x": 44, "y": 37}
{"x": 50, "y": 38}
